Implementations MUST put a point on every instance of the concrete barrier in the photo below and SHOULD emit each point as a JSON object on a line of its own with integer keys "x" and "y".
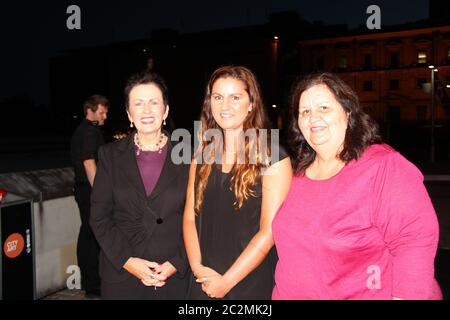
{"x": 56, "y": 227}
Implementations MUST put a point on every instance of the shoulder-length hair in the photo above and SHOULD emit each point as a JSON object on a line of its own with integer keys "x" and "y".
{"x": 361, "y": 132}
{"x": 244, "y": 176}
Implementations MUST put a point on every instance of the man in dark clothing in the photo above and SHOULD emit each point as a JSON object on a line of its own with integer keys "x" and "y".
{"x": 86, "y": 140}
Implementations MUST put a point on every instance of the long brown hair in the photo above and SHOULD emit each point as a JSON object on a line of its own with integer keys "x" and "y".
{"x": 247, "y": 174}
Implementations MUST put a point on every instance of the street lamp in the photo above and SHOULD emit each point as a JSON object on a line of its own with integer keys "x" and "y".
{"x": 433, "y": 153}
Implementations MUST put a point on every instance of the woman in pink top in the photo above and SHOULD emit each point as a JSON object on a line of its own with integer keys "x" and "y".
{"x": 358, "y": 222}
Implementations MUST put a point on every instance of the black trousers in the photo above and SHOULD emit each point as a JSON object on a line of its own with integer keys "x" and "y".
{"x": 87, "y": 247}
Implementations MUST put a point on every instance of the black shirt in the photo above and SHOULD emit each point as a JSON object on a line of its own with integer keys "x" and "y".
{"x": 86, "y": 140}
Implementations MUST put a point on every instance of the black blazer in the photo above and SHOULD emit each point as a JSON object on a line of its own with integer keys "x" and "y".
{"x": 127, "y": 223}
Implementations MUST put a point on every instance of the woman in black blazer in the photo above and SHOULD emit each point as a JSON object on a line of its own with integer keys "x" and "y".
{"x": 137, "y": 203}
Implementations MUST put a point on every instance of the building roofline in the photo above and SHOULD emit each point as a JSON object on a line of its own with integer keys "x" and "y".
{"x": 376, "y": 35}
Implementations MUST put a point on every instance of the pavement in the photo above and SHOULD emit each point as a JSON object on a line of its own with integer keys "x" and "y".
{"x": 68, "y": 294}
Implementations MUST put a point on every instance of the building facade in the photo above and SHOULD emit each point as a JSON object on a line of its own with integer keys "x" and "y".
{"x": 389, "y": 70}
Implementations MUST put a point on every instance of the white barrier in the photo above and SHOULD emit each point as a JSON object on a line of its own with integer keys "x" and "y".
{"x": 56, "y": 223}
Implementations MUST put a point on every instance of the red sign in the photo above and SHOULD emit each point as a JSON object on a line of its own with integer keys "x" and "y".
{"x": 3, "y": 194}
{"x": 14, "y": 245}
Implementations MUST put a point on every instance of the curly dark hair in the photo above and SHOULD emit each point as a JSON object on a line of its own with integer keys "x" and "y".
{"x": 362, "y": 130}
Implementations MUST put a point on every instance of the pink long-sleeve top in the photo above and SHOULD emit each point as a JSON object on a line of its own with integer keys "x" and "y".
{"x": 369, "y": 232}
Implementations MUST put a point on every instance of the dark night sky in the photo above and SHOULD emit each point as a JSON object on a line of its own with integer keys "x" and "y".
{"x": 31, "y": 32}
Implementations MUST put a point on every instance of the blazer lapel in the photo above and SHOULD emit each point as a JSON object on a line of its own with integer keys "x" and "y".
{"x": 131, "y": 171}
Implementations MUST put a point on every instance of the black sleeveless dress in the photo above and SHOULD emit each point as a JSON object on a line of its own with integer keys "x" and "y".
{"x": 225, "y": 232}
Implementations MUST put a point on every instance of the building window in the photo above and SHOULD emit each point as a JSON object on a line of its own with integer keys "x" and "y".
{"x": 368, "y": 64}
{"x": 368, "y": 85}
{"x": 420, "y": 82}
{"x": 422, "y": 57}
{"x": 342, "y": 62}
{"x": 421, "y": 113}
{"x": 394, "y": 84}
{"x": 394, "y": 59}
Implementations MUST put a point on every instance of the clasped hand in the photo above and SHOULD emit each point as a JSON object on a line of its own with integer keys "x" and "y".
{"x": 213, "y": 283}
{"x": 150, "y": 273}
